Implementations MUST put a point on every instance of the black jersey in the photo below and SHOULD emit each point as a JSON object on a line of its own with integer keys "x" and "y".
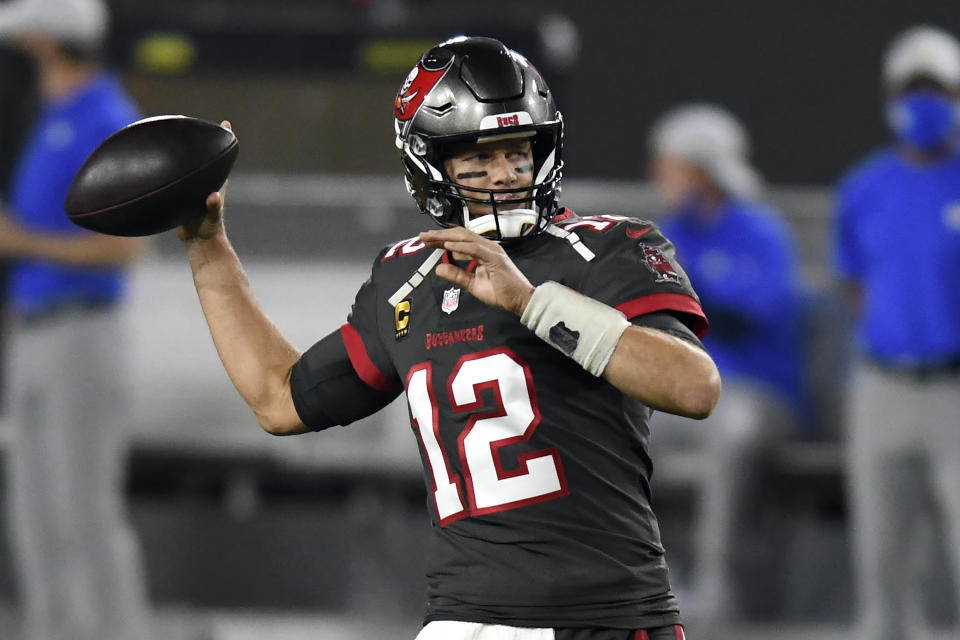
{"x": 537, "y": 472}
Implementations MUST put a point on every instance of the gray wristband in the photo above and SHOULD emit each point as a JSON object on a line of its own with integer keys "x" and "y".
{"x": 580, "y": 327}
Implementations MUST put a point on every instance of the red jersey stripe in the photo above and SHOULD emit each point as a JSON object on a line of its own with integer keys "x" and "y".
{"x": 362, "y": 363}
{"x": 667, "y": 302}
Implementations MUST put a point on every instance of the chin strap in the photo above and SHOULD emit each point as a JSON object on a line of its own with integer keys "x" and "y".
{"x": 509, "y": 223}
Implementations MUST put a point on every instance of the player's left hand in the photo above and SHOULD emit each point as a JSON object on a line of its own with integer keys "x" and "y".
{"x": 496, "y": 281}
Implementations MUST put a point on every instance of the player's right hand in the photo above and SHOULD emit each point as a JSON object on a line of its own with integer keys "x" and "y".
{"x": 211, "y": 224}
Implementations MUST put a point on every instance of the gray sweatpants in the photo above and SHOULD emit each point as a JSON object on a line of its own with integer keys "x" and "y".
{"x": 903, "y": 451}
{"x": 77, "y": 562}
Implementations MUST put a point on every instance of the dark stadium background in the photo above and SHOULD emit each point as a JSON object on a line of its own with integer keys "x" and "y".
{"x": 803, "y": 75}
{"x": 247, "y": 534}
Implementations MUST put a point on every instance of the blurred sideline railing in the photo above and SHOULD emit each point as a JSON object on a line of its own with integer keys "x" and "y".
{"x": 307, "y": 243}
{"x": 290, "y": 216}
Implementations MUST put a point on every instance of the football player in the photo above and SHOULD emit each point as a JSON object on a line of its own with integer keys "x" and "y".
{"x": 532, "y": 345}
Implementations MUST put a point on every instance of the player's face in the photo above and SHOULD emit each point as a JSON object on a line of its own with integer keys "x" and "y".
{"x": 676, "y": 181}
{"x": 502, "y": 164}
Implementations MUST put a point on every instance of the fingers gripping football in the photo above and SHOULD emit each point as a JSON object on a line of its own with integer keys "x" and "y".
{"x": 211, "y": 223}
{"x": 496, "y": 281}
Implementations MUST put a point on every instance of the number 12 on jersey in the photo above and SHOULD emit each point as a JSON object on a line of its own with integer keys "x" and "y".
{"x": 490, "y": 488}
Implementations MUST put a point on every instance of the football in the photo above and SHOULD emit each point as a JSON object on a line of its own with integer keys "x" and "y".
{"x": 151, "y": 176}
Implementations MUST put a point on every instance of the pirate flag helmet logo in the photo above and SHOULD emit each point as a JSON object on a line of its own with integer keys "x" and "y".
{"x": 421, "y": 79}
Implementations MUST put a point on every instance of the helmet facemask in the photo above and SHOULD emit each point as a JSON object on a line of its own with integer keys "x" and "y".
{"x": 512, "y": 212}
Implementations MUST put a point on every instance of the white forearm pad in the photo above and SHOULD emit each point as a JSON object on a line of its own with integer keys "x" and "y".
{"x": 582, "y": 328}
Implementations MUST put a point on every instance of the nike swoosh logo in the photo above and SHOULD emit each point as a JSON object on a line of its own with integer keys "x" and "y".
{"x": 636, "y": 233}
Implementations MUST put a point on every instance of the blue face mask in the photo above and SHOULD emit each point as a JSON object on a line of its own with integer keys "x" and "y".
{"x": 923, "y": 119}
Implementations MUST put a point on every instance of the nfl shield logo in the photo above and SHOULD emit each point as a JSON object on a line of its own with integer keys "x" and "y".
{"x": 451, "y": 300}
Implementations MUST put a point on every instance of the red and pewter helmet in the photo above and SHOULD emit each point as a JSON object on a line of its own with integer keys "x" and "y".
{"x": 478, "y": 90}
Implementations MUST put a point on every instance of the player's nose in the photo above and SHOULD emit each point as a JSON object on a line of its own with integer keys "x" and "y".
{"x": 503, "y": 172}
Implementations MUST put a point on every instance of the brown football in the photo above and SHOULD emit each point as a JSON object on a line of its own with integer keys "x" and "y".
{"x": 151, "y": 176}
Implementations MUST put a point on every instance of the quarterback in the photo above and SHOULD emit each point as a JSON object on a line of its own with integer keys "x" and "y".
{"x": 532, "y": 345}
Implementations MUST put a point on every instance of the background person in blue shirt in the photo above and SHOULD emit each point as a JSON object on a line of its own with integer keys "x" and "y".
{"x": 898, "y": 251}
{"x": 740, "y": 256}
{"x": 77, "y": 561}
